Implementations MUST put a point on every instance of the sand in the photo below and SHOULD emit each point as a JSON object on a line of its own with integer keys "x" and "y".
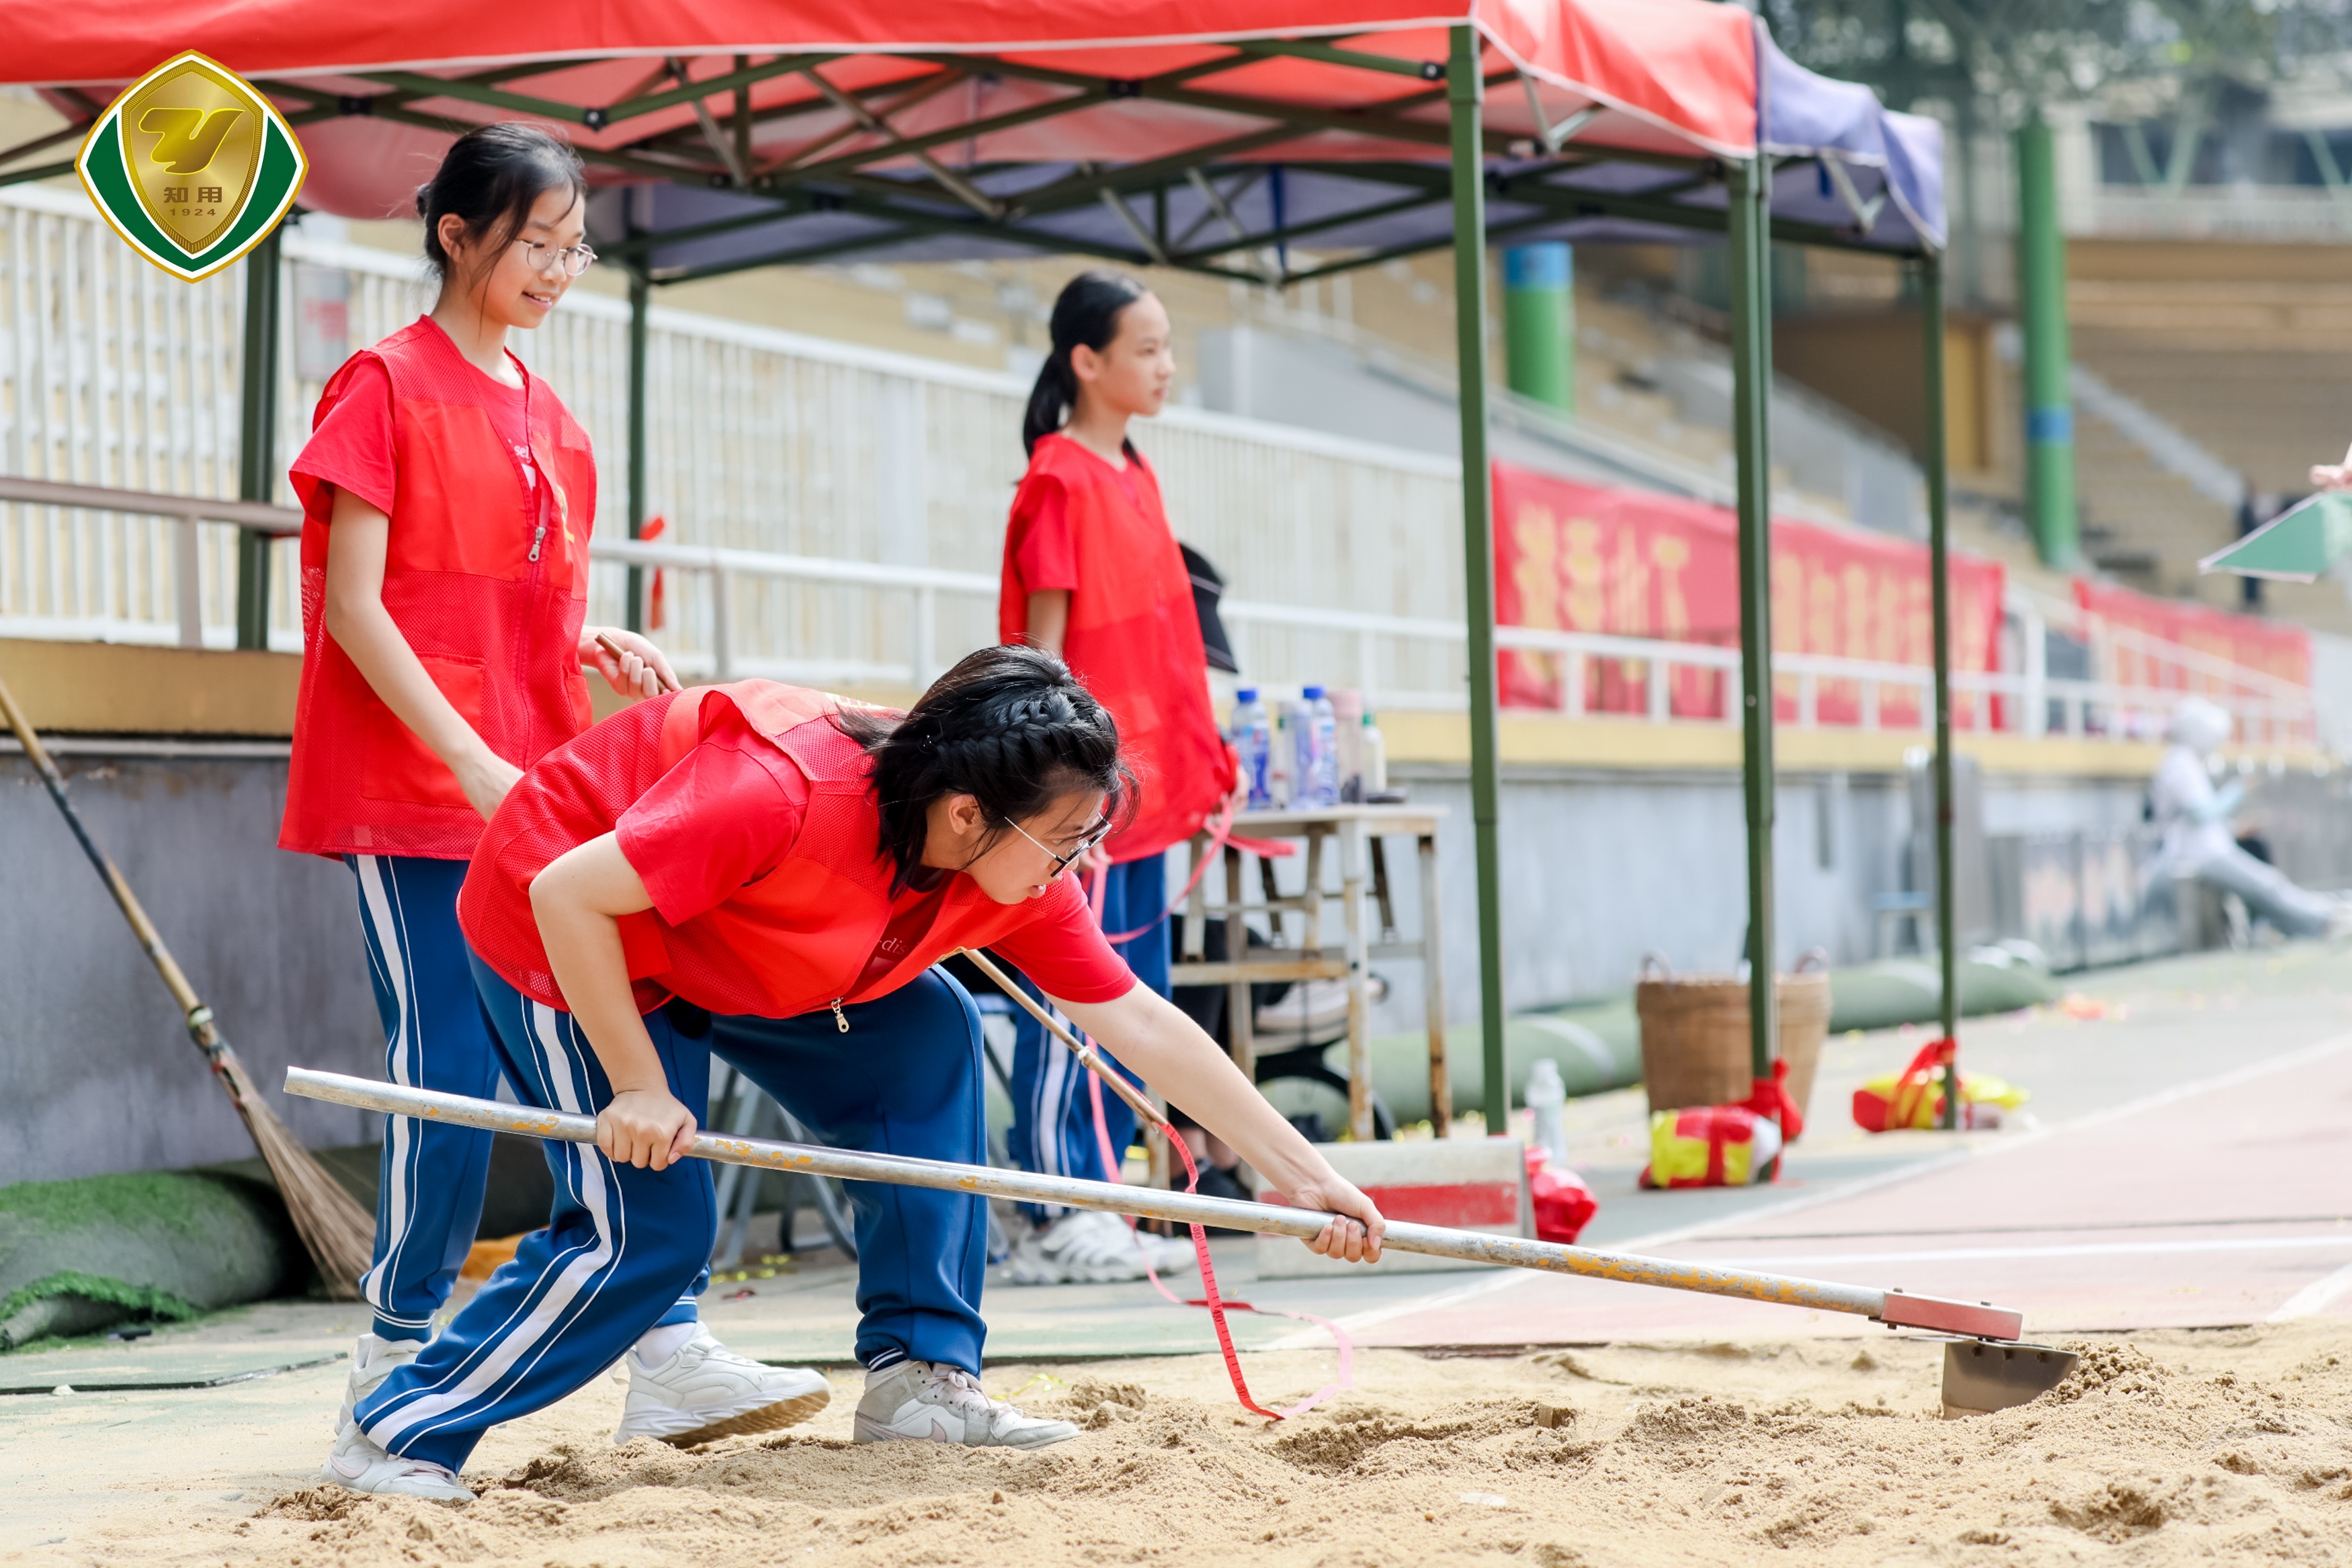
{"x": 2229, "y": 1446}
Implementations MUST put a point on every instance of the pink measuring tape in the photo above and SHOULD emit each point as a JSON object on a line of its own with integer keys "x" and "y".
{"x": 1221, "y": 834}
{"x": 1213, "y": 1302}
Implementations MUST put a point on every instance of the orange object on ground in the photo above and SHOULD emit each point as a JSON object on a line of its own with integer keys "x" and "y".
{"x": 482, "y": 1260}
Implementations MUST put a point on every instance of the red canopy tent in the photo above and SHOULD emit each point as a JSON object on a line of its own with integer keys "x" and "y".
{"x": 1209, "y": 135}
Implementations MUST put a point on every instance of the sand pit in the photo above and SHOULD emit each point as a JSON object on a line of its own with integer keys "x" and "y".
{"x": 2167, "y": 1447}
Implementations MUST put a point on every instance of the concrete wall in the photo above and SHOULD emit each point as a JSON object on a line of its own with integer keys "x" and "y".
{"x": 96, "y": 1073}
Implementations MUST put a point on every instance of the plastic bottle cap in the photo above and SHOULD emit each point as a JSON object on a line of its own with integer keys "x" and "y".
{"x": 1312, "y": 694}
{"x": 1245, "y": 695}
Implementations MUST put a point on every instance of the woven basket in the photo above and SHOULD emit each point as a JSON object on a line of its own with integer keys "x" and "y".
{"x": 1695, "y": 1034}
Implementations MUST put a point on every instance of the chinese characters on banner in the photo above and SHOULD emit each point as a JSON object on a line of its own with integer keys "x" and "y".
{"x": 1581, "y": 557}
{"x": 2281, "y": 651}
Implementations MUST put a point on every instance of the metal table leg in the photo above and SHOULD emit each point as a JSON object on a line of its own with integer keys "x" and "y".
{"x": 1432, "y": 988}
{"x": 1359, "y": 1043}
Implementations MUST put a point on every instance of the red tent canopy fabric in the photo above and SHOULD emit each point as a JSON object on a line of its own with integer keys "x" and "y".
{"x": 1673, "y": 75}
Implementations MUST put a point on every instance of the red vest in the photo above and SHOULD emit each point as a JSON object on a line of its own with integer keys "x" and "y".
{"x": 1134, "y": 638}
{"x": 492, "y": 612}
{"x": 795, "y": 941}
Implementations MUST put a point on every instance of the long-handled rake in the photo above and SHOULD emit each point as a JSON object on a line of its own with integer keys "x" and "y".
{"x": 338, "y": 1234}
{"x": 1985, "y": 1367}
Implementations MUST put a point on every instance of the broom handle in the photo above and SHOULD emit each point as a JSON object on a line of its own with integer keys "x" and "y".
{"x": 1136, "y": 1098}
{"x": 1896, "y": 1309}
{"x": 192, "y": 1006}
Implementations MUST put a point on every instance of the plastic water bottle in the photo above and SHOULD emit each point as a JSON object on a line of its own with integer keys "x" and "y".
{"x": 1376, "y": 759}
{"x": 1253, "y": 737}
{"x": 1348, "y": 713}
{"x": 1316, "y": 775}
{"x": 1546, "y": 1096}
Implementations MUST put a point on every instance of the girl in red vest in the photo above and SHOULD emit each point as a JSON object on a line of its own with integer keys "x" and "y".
{"x": 772, "y": 874}
{"x": 1093, "y": 573}
{"x": 447, "y": 497}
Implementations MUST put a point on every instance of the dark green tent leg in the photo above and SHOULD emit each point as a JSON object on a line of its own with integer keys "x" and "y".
{"x": 2049, "y": 353}
{"x": 1750, "y": 272}
{"x": 640, "y": 302}
{"x": 1931, "y": 313}
{"x": 257, "y": 446}
{"x": 1464, "y": 91}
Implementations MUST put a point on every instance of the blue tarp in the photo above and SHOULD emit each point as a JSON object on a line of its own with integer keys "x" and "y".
{"x": 1875, "y": 170}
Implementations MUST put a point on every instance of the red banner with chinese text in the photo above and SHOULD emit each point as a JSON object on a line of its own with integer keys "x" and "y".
{"x": 1584, "y": 557}
{"x": 2244, "y": 639}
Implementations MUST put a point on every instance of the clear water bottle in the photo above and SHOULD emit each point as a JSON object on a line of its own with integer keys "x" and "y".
{"x": 1546, "y": 1096}
{"x": 1253, "y": 737}
{"x": 1317, "y": 773}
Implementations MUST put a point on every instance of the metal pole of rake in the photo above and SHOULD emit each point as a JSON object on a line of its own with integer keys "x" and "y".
{"x": 1137, "y": 1100}
{"x": 1895, "y": 1309}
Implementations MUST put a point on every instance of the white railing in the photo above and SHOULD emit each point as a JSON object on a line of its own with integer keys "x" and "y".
{"x": 2269, "y": 711}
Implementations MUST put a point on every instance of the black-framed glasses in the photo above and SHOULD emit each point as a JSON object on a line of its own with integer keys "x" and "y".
{"x": 575, "y": 258}
{"x": 1086, "y": 842}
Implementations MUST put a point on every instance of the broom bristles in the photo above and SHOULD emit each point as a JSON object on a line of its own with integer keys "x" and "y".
{"x": 337, "y": 1232}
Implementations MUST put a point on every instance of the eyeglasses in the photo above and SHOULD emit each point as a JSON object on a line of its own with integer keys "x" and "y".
{"x": 1086, "y": 842}
{"x": 575, "y": 257}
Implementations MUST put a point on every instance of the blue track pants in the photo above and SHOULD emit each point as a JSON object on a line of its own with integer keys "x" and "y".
{"x": 623, "y": 1243}
{"x": 436, "y": 1036}
{"x": 1052, "y": 1115}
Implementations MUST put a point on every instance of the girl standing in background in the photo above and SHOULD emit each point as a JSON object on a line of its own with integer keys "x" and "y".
{"x": 1093, "y": 573}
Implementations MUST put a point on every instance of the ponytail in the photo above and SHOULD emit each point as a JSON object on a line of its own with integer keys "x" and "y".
{"x": 1010, "y": 726}
{"x": 1087, "y": 311}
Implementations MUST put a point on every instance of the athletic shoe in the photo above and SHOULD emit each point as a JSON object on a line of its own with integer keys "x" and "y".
{"x": 1167, "y": 1254}
{"x": 372, "y": 1361}
{"x": 357, "y": 1464}
{"x": 931, "y": 1402}
{"x": 1084, "y": 1247}
{"x": 705, "y": 1392}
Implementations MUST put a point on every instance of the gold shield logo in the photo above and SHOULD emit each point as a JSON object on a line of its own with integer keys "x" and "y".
{"x": 191, "y": 166}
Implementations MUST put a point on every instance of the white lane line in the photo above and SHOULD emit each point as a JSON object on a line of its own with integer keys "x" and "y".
{"x": 2314, "y": 1298}
{"x": 2084, "y": 1249}
{"x": 1506, "y": 1277}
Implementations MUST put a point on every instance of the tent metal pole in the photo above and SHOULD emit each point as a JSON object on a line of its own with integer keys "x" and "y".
{"x": 1750, "y": 265}
{"x": 1465, "y": 92}
{"x": 2048, "y": 354}
{"x": 257, "y": 446}
{"x": 640, "y": 303}
{"x": 1931, "y": 355}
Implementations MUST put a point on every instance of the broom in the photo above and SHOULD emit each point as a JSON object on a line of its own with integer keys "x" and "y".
{"x": 337, "y": 1232}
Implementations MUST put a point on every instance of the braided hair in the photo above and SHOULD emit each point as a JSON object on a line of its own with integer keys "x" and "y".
{"x": 1010, "y": 727}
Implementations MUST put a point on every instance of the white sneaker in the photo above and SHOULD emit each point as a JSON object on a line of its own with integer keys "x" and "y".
{"x": 357, "y": 1464}
{"x": 931, "y": 1402}
{"x": 1167, "y": 1254}
{"x": 372, "y": 1361}
{"x": 1084, "y": 1247}
{"x": 705, "y": 1392}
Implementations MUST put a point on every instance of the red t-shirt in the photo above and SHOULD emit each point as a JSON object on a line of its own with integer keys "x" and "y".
{"x": 1134, "y": 636}
{"x": 720, "y": 821}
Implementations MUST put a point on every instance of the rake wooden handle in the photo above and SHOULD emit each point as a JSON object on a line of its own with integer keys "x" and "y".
{"x": 1894, "y": 1308}
{"x": 1136, "y": 1098}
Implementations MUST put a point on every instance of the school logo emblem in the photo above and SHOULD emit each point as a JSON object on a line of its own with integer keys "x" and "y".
{"x": 191, "y": 167}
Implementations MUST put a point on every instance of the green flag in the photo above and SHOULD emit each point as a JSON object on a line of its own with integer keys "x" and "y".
{"x": 2298, "y": 545}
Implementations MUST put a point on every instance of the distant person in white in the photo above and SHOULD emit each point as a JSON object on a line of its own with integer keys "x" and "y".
{"x": 2195, "y": 816}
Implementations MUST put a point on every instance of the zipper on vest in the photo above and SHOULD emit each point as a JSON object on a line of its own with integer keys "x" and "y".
{"x": 840, "y": 1019}
{"x": 538, "y": 535}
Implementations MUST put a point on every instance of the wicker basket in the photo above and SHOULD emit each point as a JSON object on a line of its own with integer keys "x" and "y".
{"x": 1695, "y": 1034}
